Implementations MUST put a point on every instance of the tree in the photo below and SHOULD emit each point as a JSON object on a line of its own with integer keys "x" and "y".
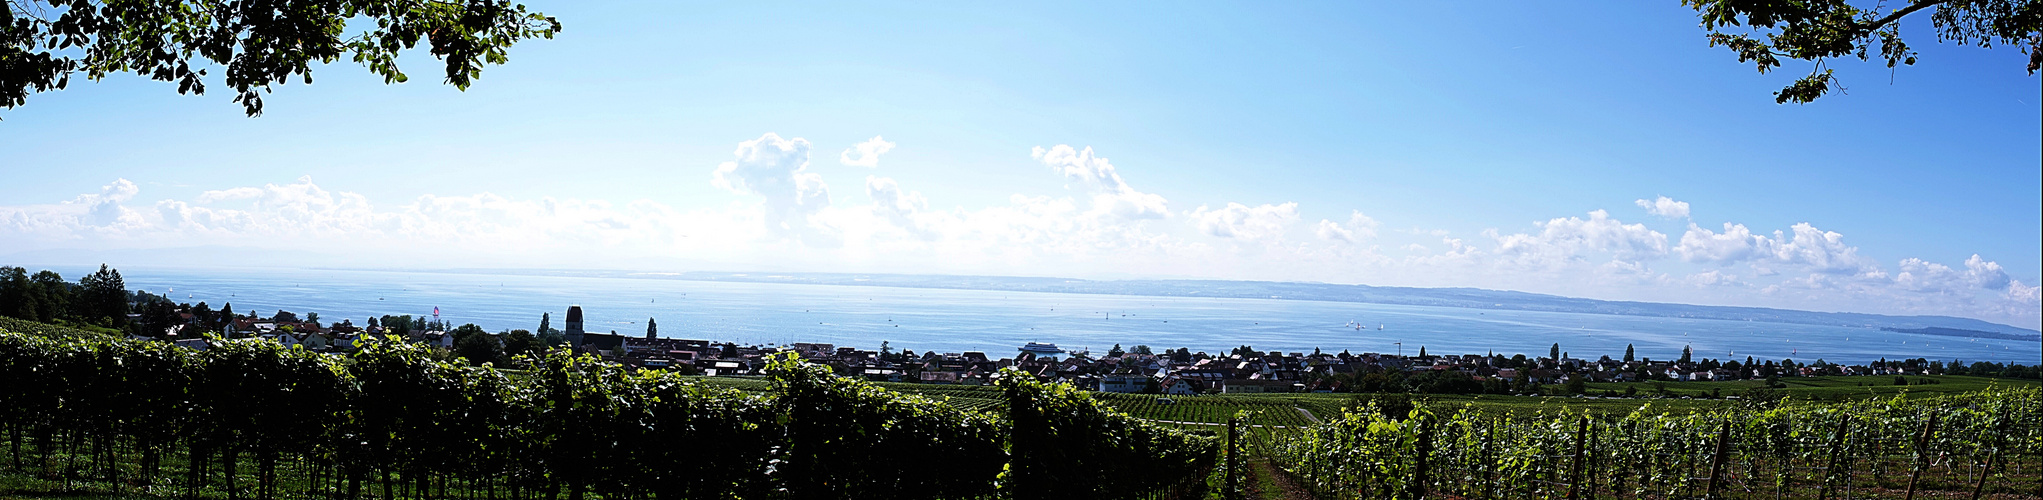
{"x": 157, "y": 317}
{"x": 1819, "y": 30}
{"x": 53, "y": 293}
{"x": 1555, "y": 352}
{"x": 1686, "y": 352}
{"x": 106, "y": 298}
{"x": 397, "y": 325}
{"x": 1422, "y": 351}
{"x": 255, "y": 44}
{"x": 550, "y": 338}
{"x": 1627, "y": 353}
{"x": 652, "y": 328}
{"x": 545, "y": 323}
{"x": 520, "y": 343}
{"x": 202, "y": 316}
{"x": 1115, "y": 352}
{"x": 15, "y": 297}
{"x": 1141, "y": 349}
{"x": 476, "y": 345}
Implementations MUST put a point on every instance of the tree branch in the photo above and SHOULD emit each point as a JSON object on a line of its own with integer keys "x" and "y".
{"x": 1898, "y": 14}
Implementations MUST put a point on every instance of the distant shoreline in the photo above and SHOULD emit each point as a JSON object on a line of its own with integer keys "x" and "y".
{"x": 1467, "y": 298}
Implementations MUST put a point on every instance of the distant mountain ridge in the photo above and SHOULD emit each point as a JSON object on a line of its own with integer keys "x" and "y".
{"x": 1956, "y": 332}
{"x": 1474, "y": 298}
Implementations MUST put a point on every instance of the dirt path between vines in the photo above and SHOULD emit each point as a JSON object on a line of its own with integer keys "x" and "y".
{"x": 1273, "y": 483}
{"x": 1308, "y": 414}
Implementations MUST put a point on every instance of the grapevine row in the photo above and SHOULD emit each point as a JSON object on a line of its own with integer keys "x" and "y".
{"x": 394, "y": 420}
{"x": 1965, "y": 445}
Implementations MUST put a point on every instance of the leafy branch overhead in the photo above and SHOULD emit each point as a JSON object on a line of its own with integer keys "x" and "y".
{"x": 1817, "y": 30}
{"x": 255, "y": 43}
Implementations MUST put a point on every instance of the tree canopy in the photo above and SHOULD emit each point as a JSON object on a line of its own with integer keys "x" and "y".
{"x": 255, "y": 44}
{"x": 1820, "y": 30}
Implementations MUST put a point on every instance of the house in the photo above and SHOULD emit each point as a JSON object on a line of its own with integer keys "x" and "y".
{"x": 814, "y": 351}
{"x": 1127, "y": 382}
{"x": 715, "y": 367}
{"x": 1180, "y": 387}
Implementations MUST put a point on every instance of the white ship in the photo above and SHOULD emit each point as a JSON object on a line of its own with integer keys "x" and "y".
{"x": 1041, "y": 348}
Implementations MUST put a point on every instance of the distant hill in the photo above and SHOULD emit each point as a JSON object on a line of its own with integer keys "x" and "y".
{"x": 1959, "y": 332}
{"x": 1474, "y": 298}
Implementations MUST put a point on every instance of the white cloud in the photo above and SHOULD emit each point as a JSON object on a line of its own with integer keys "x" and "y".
{"x": 1564, "y": 240}
{"x": 776, "y": 169}
{"x": 1735, "y": 244}
{"x": 1808, "y": 248}
{"x": 1665, "y": 207}
{"x": 104, "y": 208}
{"x": 1243, "y": 222}
{"x": 1331, "y": 231}
{"x": 1979, "y": 274}
{"x": 1714, "y": 277}
{"x": 1110, "y": 194}
{"x": 1820, "y": 250}
{"x": 905, "y": 209}
{"x": 868, "y": 153}
{"x": 1359, "y": 227}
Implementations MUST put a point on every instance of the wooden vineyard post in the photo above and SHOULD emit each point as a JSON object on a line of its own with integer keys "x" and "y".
{"x": 1717, "y": 461}
{"x": 1830, "y": 469}
{"x": 1595, "y": 459}
{"x": 1921, "y": 441}
{"x": 1489, "y": 460}
{"x": 1233, "y": 458}
{"x": 1980, "y": 486}
{"x": 1575, "y": 468}
{"x": 1418, "y": 487}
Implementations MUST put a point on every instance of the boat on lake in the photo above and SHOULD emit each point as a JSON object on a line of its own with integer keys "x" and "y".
{"x": 1040, "y": 348}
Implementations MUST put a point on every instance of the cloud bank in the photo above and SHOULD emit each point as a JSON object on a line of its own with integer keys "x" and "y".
{"x": 782, "y": 216}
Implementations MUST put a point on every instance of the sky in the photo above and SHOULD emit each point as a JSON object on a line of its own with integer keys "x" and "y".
{"x": 1602, "y": 151}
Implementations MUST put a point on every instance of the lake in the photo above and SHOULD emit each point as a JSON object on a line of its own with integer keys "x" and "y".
{"x": 997, "y": 322}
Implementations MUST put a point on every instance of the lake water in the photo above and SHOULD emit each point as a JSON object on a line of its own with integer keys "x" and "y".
{"x": 997, "y": 322}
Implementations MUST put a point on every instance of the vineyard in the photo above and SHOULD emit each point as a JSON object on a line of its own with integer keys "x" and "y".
{"x": 1207, "y": 412}
{"x": 252, "y": 419}
{"x": 1978, "y": 445}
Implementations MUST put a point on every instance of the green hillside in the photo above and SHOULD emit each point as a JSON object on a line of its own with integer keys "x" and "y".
{"x": 48, "y": 330}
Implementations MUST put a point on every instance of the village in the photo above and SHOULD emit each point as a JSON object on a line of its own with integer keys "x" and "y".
{"x": 1135, "y": 370}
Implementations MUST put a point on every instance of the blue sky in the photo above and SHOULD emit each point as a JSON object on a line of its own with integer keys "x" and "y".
{"x": 1457, "y": 144}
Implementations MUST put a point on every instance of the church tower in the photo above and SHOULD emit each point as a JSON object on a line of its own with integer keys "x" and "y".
{"x": 574, "y": 327}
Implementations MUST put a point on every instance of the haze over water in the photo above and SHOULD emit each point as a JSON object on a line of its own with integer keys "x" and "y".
{"x": 997, "y": 322}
